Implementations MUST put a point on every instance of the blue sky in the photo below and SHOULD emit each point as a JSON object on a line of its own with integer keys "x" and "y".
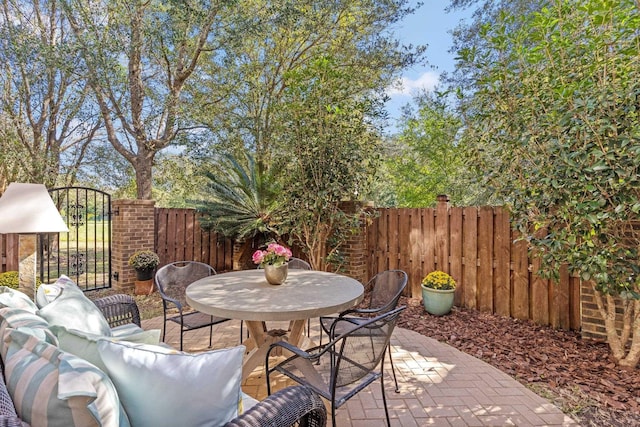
{"x": 429, "y": 25}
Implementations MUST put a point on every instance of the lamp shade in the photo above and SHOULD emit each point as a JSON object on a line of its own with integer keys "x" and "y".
{"x": 28, "y": 208}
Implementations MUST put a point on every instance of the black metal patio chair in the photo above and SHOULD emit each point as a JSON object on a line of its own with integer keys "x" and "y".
{"x": 172, "y": 280}
{"x": 343, "y": 367}
{"x": 381, "y": 294}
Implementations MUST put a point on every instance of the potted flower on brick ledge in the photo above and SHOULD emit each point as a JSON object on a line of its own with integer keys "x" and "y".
{"x": 438, "y": 290}
{"x": 144, "y": 263}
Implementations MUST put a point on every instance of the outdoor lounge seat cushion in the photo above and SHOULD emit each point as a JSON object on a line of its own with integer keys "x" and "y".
{"x": 56, "y": 389}
{"x": 73, "y": 310}
{"x": 160, "y": 386}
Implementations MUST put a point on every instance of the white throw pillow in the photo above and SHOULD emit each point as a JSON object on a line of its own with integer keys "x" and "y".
{"x": 163, "y": 387}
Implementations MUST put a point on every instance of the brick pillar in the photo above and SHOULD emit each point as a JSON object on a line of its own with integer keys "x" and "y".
{"x": 133, "y": 229}
{"x": 355, "y": 248}
{"x": 592, "y": 324}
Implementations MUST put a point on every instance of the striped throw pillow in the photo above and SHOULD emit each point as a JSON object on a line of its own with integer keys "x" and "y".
{"x": 56, "y": 389}
{"x": 16, "y": 318}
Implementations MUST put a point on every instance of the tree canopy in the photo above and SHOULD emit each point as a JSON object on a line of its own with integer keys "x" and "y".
{"x": 552, "y": 122}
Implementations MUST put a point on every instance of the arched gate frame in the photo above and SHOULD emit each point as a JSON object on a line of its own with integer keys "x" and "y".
{"x": 84, "y": 253}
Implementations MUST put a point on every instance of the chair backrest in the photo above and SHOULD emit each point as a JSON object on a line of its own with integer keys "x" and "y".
{"x": 298, "y": 264}
{"x": 360, "y": 350}
{"x": 384, "y": 290}
{"x": 173, "y": 279}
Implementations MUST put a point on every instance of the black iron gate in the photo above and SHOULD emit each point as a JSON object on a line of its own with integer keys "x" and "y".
{"x": 84, "y": 253}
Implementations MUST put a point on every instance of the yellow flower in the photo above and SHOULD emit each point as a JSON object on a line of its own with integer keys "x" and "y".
{"x": 439, "y": 280}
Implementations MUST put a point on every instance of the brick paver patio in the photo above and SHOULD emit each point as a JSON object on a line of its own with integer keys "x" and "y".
{"x": 439, "y": 385}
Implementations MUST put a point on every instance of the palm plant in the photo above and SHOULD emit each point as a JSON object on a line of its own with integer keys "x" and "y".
{"x": 242, "y": 200}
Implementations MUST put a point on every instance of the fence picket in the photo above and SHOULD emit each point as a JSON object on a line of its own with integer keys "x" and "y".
{"x": 502, "y": 251}
{"x": 520, "y": 278}
{"x": 485, "y": 257}
{"x": 415, "y": 241}
{"x": 455, "y": 248}
{"x": 470, "y": 254}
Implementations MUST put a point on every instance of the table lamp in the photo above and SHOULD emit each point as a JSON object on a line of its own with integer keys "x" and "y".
{"x": 27, "y": 210}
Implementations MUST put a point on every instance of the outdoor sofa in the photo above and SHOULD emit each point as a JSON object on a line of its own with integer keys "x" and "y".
{"x": 69, "y": 362}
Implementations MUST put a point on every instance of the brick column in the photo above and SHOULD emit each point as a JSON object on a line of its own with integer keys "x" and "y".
{"x": 355, "y": 248}
{"x": 133, "y": 229}
{"x": 592, "y": 324}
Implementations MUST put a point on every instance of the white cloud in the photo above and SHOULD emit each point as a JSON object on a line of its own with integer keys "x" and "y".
{"x": 408, "y": 87}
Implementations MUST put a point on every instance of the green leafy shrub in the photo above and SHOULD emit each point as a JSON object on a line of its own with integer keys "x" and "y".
{"x": 11, "y": 279}
{"x": 144, "y": 260}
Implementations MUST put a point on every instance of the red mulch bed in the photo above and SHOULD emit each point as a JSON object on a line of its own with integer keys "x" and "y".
{"x": 577, "y": 375}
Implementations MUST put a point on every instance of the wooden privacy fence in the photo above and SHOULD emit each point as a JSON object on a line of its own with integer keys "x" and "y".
{"x": 473, "y": 244}
{"x": 179, "y": 237}
{"x": 8, "y": 252}
{"x": 477, "y": 247}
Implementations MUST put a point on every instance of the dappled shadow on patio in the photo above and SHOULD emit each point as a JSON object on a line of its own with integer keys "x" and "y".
{"x": 439, "y": 385}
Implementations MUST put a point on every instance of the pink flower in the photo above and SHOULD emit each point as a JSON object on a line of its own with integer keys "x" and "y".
{"x": 275, "y": 254}
{"x": 258, "y": 256}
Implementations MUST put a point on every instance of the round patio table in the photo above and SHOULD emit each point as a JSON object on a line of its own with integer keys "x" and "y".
{"x": 246, "y": 295}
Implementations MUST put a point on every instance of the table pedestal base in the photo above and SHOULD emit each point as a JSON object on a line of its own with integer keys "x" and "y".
{"x": 259, "y": 341}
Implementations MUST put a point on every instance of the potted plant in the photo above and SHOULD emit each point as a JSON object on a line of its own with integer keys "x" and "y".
{"x": 144, "y": 262}
{"x": 437, "y": 292}
{"x": 274, "y": 261}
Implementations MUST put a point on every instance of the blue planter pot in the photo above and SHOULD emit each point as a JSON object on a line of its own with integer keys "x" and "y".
{"x": 437, "y": 302}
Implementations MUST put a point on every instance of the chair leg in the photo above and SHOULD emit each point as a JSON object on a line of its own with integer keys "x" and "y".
{"x": 164, "y": 328}
{"x": 181, "y": 330}
{"x": 333, "y": 413}
{"x": 384, "y": 400}
{"x": 210, "y": 335}
{"x": 393, "y": 369}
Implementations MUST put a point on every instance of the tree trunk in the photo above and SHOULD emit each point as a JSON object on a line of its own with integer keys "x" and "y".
{"x": 144, "y": 178}
{"x": 631, "y": 324}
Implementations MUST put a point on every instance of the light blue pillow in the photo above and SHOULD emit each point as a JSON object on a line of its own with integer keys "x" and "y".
{"x": 164, "y": 387}
{"x": 73, "y": 310}
{"x": 13, "y": 298}
{"x": 27, "y": 322}
{"x": 85, "y": 345}
{"x": 57, "y": 389}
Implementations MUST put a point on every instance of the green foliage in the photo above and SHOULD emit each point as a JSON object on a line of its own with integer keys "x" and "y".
{"x": 426, "y": 160}
{"x": 11, "y": 279}
{"x": 557, "y": 113}
{"x": 46, "y": 122}
{"x": 328, "y": 153}
{"x": 241, "y": 201}
{"x": 554, "y": 125}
